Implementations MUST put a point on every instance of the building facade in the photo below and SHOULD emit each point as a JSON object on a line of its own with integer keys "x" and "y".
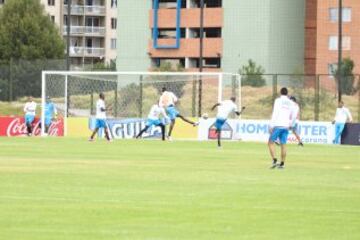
{"x": 92, "y": 32}
{"x": 322, "y": 35}
{"x": 270, "y": 32}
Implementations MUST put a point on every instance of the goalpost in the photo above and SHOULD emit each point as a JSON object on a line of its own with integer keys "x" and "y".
{"x": 131, "y": 94}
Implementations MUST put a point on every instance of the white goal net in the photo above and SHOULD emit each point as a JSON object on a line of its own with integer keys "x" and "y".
{"x": 131, "y": 94}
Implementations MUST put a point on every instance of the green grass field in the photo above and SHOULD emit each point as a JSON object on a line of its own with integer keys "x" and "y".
{"x": 72, "y": 189}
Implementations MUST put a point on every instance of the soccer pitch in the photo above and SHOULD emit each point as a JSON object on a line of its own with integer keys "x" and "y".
{"x": 68, "y": 188}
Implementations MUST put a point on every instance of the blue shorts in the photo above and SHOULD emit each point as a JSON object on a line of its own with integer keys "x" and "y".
{"x": 153, "y": 122}
{"x": 219, "y": 123}
{"x": 47, "y": 121}
{"x": 29, "y": 119}
{"x": 279, "y": 133}
{"x": 100, "y": 123}
{"x": 172, "y": 112}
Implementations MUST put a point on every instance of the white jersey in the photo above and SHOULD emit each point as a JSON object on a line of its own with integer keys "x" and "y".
{"x": 225, "y": 108}
{"x": 30, "y": 108}
{"x": 156, "y": 111}
{"x": 283, "y": 113}
{"x": 342, "y": 115}
{"x": 100, "y": 104}
{"x": 167, "y": 99}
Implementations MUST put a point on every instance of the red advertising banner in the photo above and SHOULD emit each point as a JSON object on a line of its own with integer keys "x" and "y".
{"x": 15, "y": 126}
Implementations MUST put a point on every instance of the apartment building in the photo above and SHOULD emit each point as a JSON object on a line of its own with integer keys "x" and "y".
{"x": 92, "y": 32}
{"x": 269, "y": 32}
{"x": 322, "y": 35}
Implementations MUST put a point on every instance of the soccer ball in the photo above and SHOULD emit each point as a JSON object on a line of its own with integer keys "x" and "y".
{"x": 205, "y": 116}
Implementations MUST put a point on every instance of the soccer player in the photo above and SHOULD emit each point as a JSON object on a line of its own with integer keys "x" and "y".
{"x": 281, "y": 121}
{"x": 50, "y": 113}
{"x": 224, "y": 109}
{"x": 100, "y": 118}
{"x": 341, "y": 117}
{"x": 295, "y": 124}
{"x": 30, "y": 111}
{"x": 168, "y": 101}
{"x": 154, "y": 120}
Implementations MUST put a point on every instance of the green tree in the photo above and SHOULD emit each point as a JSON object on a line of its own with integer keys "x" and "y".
{"x": 28, "y": 38}
{"x": 345, "y": 73}
{"x": 103, "y": 66}
{"x": 252, "y": 74}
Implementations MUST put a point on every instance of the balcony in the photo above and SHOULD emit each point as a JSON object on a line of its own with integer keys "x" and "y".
{"x": 88, "y": 9}
{"x": 88, "y": 30}
{"x": 189, "y": 47}
{"x": 75, "y": 10}
{"x": 190, "y": 18}
{"x": 91, "y": 30}
{"x": 86, "y": 52}
{"x": 95, "y": 10}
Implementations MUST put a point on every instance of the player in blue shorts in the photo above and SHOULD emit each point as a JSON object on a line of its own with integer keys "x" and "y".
{"x": 100, "y": 118}
{"x": 224, "y": 109}
{"x": 50, "y": 113}
{"x": 30, "y": 111}
{"x": 168, "y": 101}
{"x": 154, "y": 120}
{"x": 281, "y": 121}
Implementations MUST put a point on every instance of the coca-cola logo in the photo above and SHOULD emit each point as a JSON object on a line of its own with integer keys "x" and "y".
{"x": 17, "y": 127}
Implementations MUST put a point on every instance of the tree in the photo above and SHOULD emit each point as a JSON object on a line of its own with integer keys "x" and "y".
{"x": 252, "y": 74}
{"x": 27, "y": 35}
{"x": 100, "y": 66}
{"x": 345, "y": 73}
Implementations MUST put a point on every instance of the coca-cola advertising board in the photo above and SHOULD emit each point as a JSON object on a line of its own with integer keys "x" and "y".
{"x": 15, "y": 126}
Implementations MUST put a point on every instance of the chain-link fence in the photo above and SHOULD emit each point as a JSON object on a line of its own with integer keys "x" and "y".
{"x": 317, "y": 95}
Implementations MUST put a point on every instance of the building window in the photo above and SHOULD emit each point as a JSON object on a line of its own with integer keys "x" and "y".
{"x": 51, "y": 2}
{"x": 334, "y": 14}
{"x": 332, "y": 67}
{"x": 333, "y": 43}
{"x": 113, "y": 43}
{"x": 52, "y": 18}
{"x": 2, "y": 1}
{"x": 113, "y": 3}
{"x": 113, "y": 23}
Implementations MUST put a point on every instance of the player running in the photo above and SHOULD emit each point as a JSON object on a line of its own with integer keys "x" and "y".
{"x": 168, "y": 101}
{"x": 281, "y": 121}
{"x": 100, "y": 118}
{"x": 30, "y": 111}
{"x": 224, "y": 109}
{"x": 50, "y": 113}
{"x": 154, "y": 120}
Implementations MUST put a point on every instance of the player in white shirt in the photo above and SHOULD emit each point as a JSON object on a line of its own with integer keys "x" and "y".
{"x": 341, "y": 117}
{"x": 224, "y": 109}
{"x": 168, "y": 100}
{"x": 100, "y": 118}
{"x": 283, "y": 117}
{"x": 30, "y": 112}
{"x": 154, "y": 120}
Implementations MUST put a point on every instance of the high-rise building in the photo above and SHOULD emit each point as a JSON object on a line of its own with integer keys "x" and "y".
{"x": 270, "y": 32}
{"x": 322, "y": 35}
{"x": 92, "y": 32}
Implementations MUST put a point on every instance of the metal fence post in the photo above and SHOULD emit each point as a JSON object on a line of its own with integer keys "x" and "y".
{"x": 274, "y": 85}
{"x": 193, "y": 99}
{"x": 141, "y": 97}
{"x": 358, "y": 90}
{"x": 116, "y": 100}
{"x": 11, "y": 80}
{"x": 317, "y": 97}
{"x": 92, "y": 103}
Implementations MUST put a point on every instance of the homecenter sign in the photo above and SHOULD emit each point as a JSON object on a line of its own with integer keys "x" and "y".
{"x": 258, "y": 130}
